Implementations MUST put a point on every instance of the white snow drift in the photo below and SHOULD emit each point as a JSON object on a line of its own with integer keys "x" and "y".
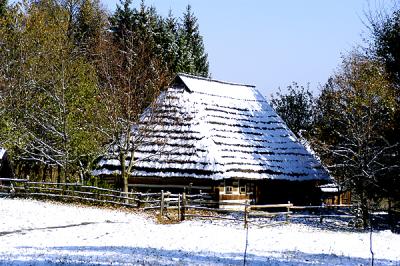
{"x": 42, "y": 233}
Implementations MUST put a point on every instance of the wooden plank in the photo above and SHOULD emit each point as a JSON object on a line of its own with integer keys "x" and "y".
{"x": 46, "y": 188}
{"x": 151, "y": 208}
{"x": 267, "y": 225}
{"x": 337, "y": 216}
{"x": 77, "y": 197}
{"x": 246, "y": 215}
{"x": 162, "y": 204}
{"x": 52, "y": 183}
{"x": 319, "y": 216}
{"x": 13, "y": 179}
{"x": 179, "y": 207}
{"x": 322, "y": 207}
{"x": 213, "y": 217}
{"x": 230, "y": 203}
{"x": 212, "y": 209}
{"x": 184, "y": 203}
{"x": 148, "y": 201}
{"x": 169, "y": 186}
{"x": 285, "y": 205}
{"x": 268, "y": 214}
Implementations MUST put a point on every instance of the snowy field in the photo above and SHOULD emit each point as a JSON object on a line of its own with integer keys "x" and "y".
{"x": 43, "y": 233}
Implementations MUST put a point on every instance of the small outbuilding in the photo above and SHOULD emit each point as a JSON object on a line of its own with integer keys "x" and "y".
{"x": 334, "y": 194}
{"x": 221, "y": 137}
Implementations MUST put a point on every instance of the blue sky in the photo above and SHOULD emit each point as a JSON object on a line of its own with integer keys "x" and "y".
{"x": 272, "y": 43}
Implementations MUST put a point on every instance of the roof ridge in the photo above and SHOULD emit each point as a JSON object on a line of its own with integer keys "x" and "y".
{"x": 215, "y": 80}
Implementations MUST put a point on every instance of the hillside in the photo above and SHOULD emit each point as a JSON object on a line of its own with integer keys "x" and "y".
{"x": 43, "y": 233}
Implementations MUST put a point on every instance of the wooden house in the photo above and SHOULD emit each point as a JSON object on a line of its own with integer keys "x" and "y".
{"x": 222, "y": 137}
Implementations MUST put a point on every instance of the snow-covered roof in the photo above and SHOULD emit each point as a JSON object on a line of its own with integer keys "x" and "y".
{"x": 330, "y": 188}
{"x": 206, "y": 128}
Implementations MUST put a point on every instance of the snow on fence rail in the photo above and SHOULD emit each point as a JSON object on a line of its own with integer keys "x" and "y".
{"x": 185, "y": 205}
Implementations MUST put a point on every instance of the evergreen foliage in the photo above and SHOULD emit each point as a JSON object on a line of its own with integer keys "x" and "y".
{"x": 91, "y": 22}
{"x": 296, "y": 107}
{"x": 192, "y": 58}
{"x": 386, "y": 46}
{"x": 179, "y": 44}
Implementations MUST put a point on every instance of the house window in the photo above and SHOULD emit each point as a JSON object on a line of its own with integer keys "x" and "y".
{"x": 243, "y": 190}
{"x": 228, "y": 189}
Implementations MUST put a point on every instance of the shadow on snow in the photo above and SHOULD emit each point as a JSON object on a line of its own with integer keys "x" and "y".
{"x": 107, "y": 255}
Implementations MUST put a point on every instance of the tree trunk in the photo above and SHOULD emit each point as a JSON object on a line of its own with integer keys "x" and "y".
{"x": 124, "y": 174}
{"x": 364, "y": 211}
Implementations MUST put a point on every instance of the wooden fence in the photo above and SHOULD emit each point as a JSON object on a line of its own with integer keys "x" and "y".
{"x": 201, "y": 205}
{"x": 74, "y": 192}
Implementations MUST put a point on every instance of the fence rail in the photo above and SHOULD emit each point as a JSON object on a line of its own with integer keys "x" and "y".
{"x": 183, "y": 205}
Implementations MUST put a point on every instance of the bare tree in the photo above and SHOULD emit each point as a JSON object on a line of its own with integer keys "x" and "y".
{"x": 133, "y": 77}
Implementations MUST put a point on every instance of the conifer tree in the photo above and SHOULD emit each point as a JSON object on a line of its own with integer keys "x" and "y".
{"x": 192, "y": 57}
{"x": 91, "y": 24}
{"x": 122, "y": 20}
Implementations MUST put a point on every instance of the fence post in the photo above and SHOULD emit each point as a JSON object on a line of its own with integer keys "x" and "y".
{"x": 139, "y": 200}
{"x": 12, "y": 190}
{"x": 26, "y": 185}
{"x": 288, "y": 211}
{"x": 183, "y": 206}
{"x": 179, "y": 206}
{"x": 246, "y": 212}
{"x": 162, "y": 203}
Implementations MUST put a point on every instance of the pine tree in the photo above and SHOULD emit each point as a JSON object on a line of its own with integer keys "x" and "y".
{"x": 122, "y": 20}
{"x": 166, "y": 40}
{"x": 91, "y": 23}
{"x": 192, "y": 57}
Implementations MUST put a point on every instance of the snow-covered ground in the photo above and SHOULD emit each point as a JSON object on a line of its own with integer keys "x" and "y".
{"x": 43, "y": 233}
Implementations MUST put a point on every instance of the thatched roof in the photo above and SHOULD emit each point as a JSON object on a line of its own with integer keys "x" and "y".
{"x": 212, "y": 129}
